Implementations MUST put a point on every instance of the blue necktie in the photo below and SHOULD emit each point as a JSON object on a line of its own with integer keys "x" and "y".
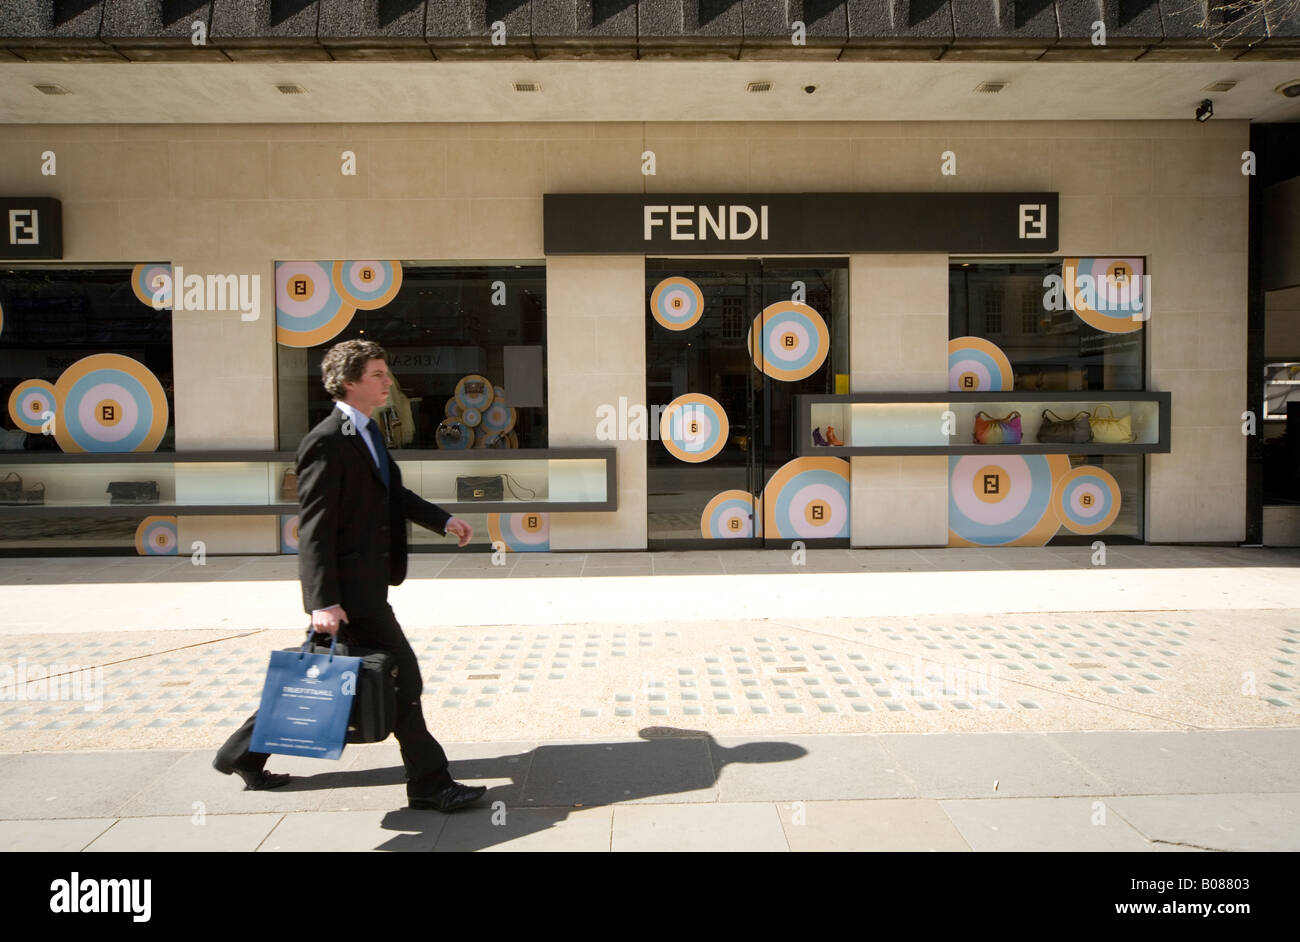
{"x": 372, "y": 430}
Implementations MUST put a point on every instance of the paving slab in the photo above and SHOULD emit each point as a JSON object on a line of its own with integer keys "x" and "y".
{"x": 332, "y": 831}
{"x": 197, "y": 832}
{"x": 1042, "y": 824}
{"x": 734, "y": 826}
{"x": 806, "y": 768}
{"x": 77, "y": 785}
{"x": 1167, "y": 763}
{"x": 528, "y": 829}
{"x": 62, "y": 835}
{"x": 600, "y": 773}
{"x": 1215, "y": 822}
{"x": 984, "y": 765}
{"x": 909, "y": 824}
{"x": 193, "y": 779}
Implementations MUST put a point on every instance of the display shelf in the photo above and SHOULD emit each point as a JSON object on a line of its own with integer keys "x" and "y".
{"x": 916, "y": 424}
{"x": 572, "y": 480}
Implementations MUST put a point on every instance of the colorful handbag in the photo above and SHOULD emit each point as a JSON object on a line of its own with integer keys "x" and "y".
{"x": 1108, "y": 428}
{"x": 289, "y": 486}
{"x": 1003, "y": 431}
{"x": 1072, "y": 431}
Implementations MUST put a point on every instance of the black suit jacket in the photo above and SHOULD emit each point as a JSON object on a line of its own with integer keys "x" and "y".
{"x": 351, "y": 529}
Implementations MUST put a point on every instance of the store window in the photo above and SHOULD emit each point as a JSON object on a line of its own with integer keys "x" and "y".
{"x": 458, "y": 336}
{"x": 1080, "y": 326}
{"x": 85, "y": 361}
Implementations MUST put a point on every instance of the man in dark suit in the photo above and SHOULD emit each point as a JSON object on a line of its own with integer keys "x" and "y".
{"x": 351, "y": 546}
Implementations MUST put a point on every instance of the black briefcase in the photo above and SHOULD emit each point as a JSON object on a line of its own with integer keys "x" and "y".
{"x": 374, "y": 706}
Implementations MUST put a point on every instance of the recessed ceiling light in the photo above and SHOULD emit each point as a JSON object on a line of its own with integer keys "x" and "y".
{"x": 1224, "y": 86}
{"x": 527, "y": 86}
{"x": 1289, "y": 89}
{"x": 290, "y": 89}
{"x": 758, "y": 87}
{"x": 51, "y": 89}
{"x": 990, "y": 88}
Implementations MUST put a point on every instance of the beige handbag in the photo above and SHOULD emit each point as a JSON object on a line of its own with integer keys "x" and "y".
{"x": 1108, "y": 429}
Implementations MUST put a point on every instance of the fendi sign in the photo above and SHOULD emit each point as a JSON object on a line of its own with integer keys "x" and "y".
{"x": 799, "y": 223}
{"x": 33, "y": 228}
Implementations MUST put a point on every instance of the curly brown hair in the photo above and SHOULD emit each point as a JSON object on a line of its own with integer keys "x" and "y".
{"x": 346, "y": 363}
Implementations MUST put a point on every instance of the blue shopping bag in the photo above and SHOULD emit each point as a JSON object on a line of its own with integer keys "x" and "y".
{"x": 306, "y": 701}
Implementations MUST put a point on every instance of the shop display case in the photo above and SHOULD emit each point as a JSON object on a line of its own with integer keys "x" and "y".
{"x": 256, "y": 482}
{"x": 944, "y": 423}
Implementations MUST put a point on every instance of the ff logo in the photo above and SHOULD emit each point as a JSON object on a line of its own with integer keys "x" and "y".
{"x": 24, "y": 227}
{"x": 1033, "y": 220}
{"x": 991, "y": 483}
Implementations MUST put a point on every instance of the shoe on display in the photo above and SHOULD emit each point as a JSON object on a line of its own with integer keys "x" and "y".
{"x": 817, "y": 437}
{"x": 832, "y": 437}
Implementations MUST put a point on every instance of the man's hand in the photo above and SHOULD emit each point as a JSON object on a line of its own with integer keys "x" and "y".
{"x": 327, "y": 620}
{"x": 461, "y": 529}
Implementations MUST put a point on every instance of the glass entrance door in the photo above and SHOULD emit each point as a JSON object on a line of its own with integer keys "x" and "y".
{"x": 721, "y": 403}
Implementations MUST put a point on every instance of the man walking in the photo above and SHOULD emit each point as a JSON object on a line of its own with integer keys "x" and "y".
{"x": 351, "y": 546}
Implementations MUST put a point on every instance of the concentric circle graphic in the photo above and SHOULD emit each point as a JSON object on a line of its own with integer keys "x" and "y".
{"x": 975, "y": 365}
{"x": 677, "y": 303}
{"x": 474, "y": 392}
{"x": 694, "y": 428}
{"x": 498, "y": 417}
{"x": 150, "y": 281}
{"x": 471, "y": 417}
{"x": 308, "y": 310}
{"x": 731, "y": 515}
{"x": 29, "y": 403}
{"x": 452, "y": 409}
{"x": 1112, "y": 298}
{"x": 288, "y": 534}
{"x": 367, "y": 285}
{"x": 808, "y": 498}
{"x": 109, "y": 403}
{"x": 499, "y": 395}
{"x": 1086, "y": 500}
{"x": 157, "y": 536}
{"x": 789, "y": 341}
{"x": 1002, "y": 500}
{"x": 528, "y": 532}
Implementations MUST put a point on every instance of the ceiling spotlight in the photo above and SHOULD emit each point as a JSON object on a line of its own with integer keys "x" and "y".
{"x": 1205, "y": 111}
{"x": 810, "y": 89}
{"x": 1289, "y": 89}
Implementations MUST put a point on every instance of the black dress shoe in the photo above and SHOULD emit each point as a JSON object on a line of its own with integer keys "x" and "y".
{"x": 450, "y": 798}
{"x": 253, "y": 781}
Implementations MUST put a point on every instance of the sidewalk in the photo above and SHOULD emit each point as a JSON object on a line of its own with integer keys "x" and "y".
{"x": 635, "y": 701}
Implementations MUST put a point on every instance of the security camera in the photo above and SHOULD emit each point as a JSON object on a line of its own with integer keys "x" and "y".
{"x": 810, "y": 89}
{"x": 1205, "y": 111}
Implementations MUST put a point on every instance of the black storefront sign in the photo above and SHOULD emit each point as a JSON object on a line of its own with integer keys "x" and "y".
{"x": 33, "y": 228}
{"x": 798, "y": 223}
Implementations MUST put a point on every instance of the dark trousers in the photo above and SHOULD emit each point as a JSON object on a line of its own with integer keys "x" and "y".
{"x": 424, "y": 758}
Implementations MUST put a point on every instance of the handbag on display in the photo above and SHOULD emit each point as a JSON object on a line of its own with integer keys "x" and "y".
{"x": 1072, "y": 431}
{"x": 489, "y": 487}
{"x": 1109, "y": 429}
{"x": 11, "y": 488}
{"x": 994, "y": 431}
{"x": 289, "y": 486}
{"x": 133, "y": 492}
{"x": 34, "y": 494}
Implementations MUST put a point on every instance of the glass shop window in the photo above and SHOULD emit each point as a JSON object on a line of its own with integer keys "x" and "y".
{"x": 466, "y": 346}
{"x": 85, "y": 361}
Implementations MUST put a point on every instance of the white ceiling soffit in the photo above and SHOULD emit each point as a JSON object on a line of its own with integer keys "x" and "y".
{"x": 355, "y": 92}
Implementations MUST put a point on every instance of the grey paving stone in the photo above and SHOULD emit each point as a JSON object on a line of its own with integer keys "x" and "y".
{"x": 1216, "y": 822}
{"x": 67, "y": 834}
{"x": 698, "y": 827}
{"x": 598, "y": 773}
{"x": 914, "y": 824}
{"x": 403, "y": 830}
{"x": 527, "y": 829}
{"x": 192, "y": 779}
{"x": 217, "y": 832}
{"x": 77, "y": 785}
{"x": 374, "y": 779}
{"x": 1166, "y": 763}
{"x": 1042, "y": 824}
{"x": 966, "y": 765}
{"x": 806, "y": 768}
